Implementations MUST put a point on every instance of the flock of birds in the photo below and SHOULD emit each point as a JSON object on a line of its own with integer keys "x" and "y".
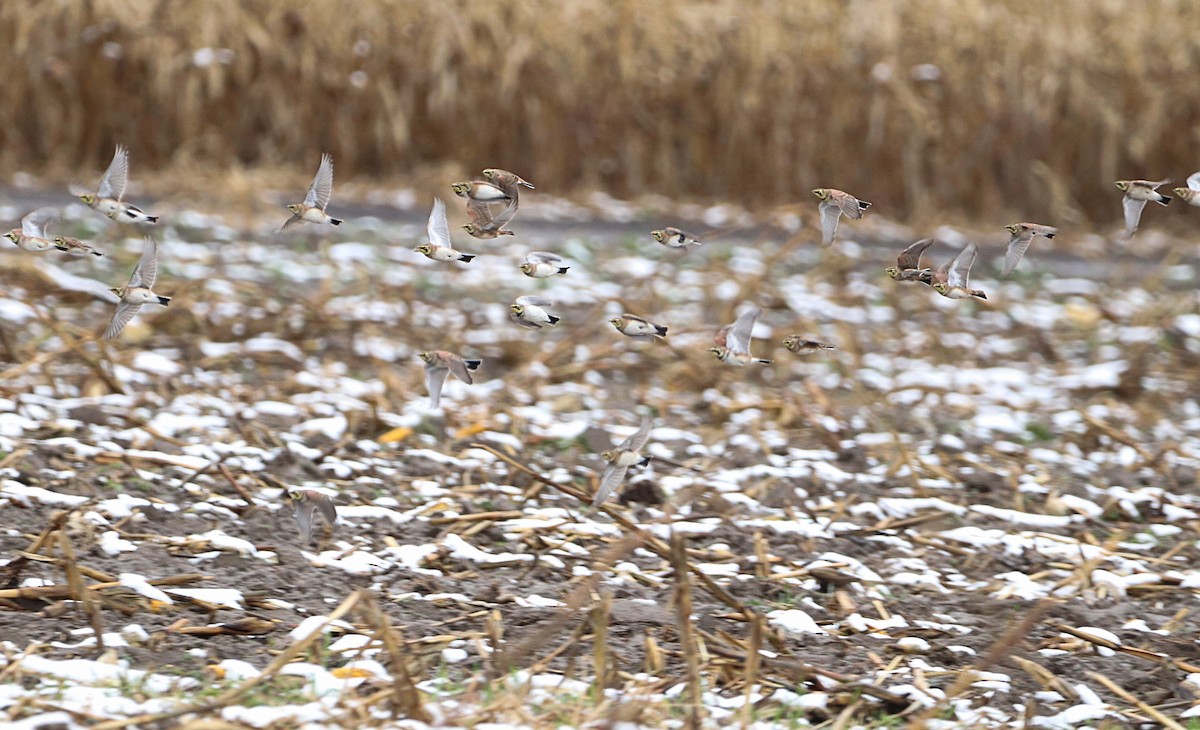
{"x": 491, "y": 204}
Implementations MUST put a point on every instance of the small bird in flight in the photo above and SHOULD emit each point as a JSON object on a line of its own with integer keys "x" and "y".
{"x": 312, "y": 210}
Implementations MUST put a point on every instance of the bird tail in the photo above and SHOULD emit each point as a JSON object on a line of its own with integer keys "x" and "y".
{"x": 466, "y": 257}
{"x": 472, "y": 364}
{"x": 164, "y": 301}
{"x": 979, "y": 293}
{"x": 761, "y": 361}
{"x": 1163, "y": 200}
{"x": 97, "y": 253}
{"x": 563, "y": 269}
{"x": 553, "y": 319}
{"x": 336, "y": 221}
{"x": 863, "y": 205}
{"x": 1051, "y": 235}
{"x": 661, "y": 330}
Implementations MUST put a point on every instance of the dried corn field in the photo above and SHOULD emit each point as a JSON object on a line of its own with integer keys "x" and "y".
{"x": 928, "y": 107}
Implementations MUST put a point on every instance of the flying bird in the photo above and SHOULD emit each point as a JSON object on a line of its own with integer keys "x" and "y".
{"x": 620, "y": 459}
{"x": 952, "y": 278}
{"x": 109, "y": 193}
{"x": 439, "y": 248}
{"x": 306, "y": 503}
{"x": 31, "y": 236}
{"x": 479, "y": 190}
{"x": 75, "y": 246}
{"x": 801, "y": 346}
{"x": 1137, "y": 194}
{"x": 834, "y": 204}
{"x": 530, "y": 313}
{"x": 672, "y": 237}
{"x": 312, "y": 210}
{"x": 439, "y": 364}
{"x": 509, "y": 183}
{"x": 634, "y": 326}
{"x": 541, "y": 265}
{"x": 908, "y": 263}
{"x": 138, "y": 291}
{"x": 486, "y": 226}
{"x": 1018, "y": 242}
{"x": 1190, "y": 194}
{"x": 733, "y": 341}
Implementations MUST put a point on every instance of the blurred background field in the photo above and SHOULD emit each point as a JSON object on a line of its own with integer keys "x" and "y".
{"x": 928, "y": 108}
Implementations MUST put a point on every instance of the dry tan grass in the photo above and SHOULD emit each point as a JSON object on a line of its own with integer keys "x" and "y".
{"x": 1030, "y": 114}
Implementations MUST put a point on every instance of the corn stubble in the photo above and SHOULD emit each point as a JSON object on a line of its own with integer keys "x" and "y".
{"x": 924, "y": 106}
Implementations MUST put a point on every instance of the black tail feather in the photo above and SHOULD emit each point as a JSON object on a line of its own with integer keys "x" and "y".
{"x": 336, "y": 221}
{"x": 553, "y": 319}
{"x": 466, "y": 257}
{"x": 563, "y": 269}
{"x": 164, "y": 301}
{"x": 472, "y": 364}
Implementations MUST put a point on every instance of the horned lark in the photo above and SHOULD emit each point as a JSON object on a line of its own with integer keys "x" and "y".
{"x": 620, "y": 459}
{"x": 529, "y": 312}
{"x": 952, "y": 279}
{"x": 479, "y": 190}
{"x": 1137, "y": 194}
{"x": 486, "y": 226}
{"x": 31, "y": 236}
{"x": 75, "y": 246}
{"x": 438, "y": 248}
{"x": 908, "y": 263}
{"x": 306, "y": 503}
{"x": 835, "y": 203}
{"x": 1190, "y": 194}
{"x": 107, "y": 198}
{"x": 542, "y": 265}
{"x": 634, "y": 326}
{"x": 1018, "y": 242}
{"x": 439, "y": 364}
{"x": 509, "y": 183}
{"x": 672, "y": 237}
{"x": 801, "y": 346}
{"x": 312, "y": 210}
{"x": 733, "y": 341}
{"x": 138, "y": 291}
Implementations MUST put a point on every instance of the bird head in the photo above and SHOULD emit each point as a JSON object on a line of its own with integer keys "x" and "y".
{"x": 491, "y": 173}
{"x": 118, "y": 292}
{"x": 88, "y": 198}
{"x": 608, "y": 455}
{"x": 527, "y": 268}
{"x": 1181, "y": 192}
{"x": 470, "y": 228}
{"x": 294, "y": 208}
{"x": 659, "y": 236}
{"x": 424, "y": 248}
{"x": 790, "y": 343}
{"x": 1014, "y": 229}
{"x": 426, "y": 356}
{"x": 617, "y": 322}
{"x": 461, "y": 188}
{"x": 517, "y": 309}
{"x": 1122, "y": 185}
{"x": 718, "y": 352}
{"x": 821, "y": 193}
{"x": 892, "y": 271}
{"x": 941, "y": 287}
{"x": 12, "y": 236}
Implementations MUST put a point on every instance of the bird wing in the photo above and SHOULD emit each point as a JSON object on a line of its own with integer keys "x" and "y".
{"x": 302, "y": 511}
{"x": 1193, "y": 181}
{"x": 147, "y": 268}
{"x": 1133, "y": 214}
{"x": 534, "y": 301}
{"x": 322, "y": 184}
{"x": 942, "y": 274}
{"x": 458, "y": 367}
{"x": 1017, "y": 246}
{"x": 830, "y": 215}
{"x": 480, "y": 213}
{"x": 112, "y": 185}
{"x": 438, "y": 229}
{"x": 541, "y": 257}
{"x": 610, "y": 480}
{"x": 849, "y": 205}
{"x": 960, "y": 269}
{"x": 435, "y": 378}
{"x": 325, "y": 505}
{"x": 910, "y": 258}
{"x": 125, "y": 312}
{"x": 504, "y": 216}
{"x": 34, "y": 224}
{"x": 739, "y": 335}
{"x": 638, "y": 439}
{"x": 292, "y": 222}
